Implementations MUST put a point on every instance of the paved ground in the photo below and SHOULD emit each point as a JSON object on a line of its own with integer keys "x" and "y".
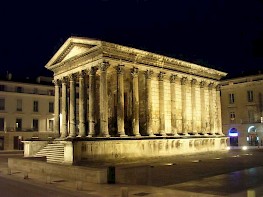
{"x": 236, "y": 173}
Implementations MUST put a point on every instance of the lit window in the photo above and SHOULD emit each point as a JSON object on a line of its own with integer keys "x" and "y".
{"x": 18, "y": 124}
{"x": 231, "y": 98}
{"x": 35, "y": 106}
{"x": 250, "y": 96}
{"x": 2, "y": 104}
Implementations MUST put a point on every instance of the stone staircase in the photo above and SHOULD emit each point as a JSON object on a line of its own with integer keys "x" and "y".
{"x": 54, "y": 153}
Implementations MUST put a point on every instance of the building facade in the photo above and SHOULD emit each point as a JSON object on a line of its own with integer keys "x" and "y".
{"x": 114, "y": 102}
{"x": 26, "y": 110}
{"x": 129, "y": 92}
{"x": 242, "y": 110}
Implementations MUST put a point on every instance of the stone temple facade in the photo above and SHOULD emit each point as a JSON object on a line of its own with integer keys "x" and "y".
{"x": 128, "y": 92}
{"x": 109, "y": 91}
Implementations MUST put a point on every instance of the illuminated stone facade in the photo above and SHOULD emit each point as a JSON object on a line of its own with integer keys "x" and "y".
{"x": 242, "y": 109}
{"x": 124, "y": 91}
{"x": 113, "y": 101}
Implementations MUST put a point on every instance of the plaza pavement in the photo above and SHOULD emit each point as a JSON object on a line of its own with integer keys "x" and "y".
{"x": 236, "y": 173}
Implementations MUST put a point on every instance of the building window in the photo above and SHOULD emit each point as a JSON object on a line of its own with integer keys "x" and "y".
{"x": 35, "y": 106}
{"x": 35, "y": 124}
{"x": 19, "y": 89}
{"x": 51, "y": 92}
{"x": 2, "y": 87}
{"x": 250, "y": 97}
{"x": 2, "y": 124}
{"x": 50, "y": 125}
{"x": 35, "y": 91}
{"x": 18, "y": 124}
{"x": 2, "y": 104}
{"x": 51, "y": 107}
{"x": 251, "y": 117}
{"x": 19, "y": 105}
{"x": 231, "y": 98}
{"x": 232, "y": 116}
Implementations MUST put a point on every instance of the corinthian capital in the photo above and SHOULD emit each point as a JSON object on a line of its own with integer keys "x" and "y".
{"x": 119, "y": 69}
{"x": 210, "y": 86}
{"x": 104, "y": 66}
{"x": 56, "y": 82}
{"x": 148, "y": 74}
{"x": 161, "y": 76}
{"x": 82, "y": 74}
{"x": 193, "y": 82}
{"x": 184, "y": 80}
{"x": 173, "y": 78}
{"x": 218, "y": 87}
{"x": 72, "y": 77}
{"x": 134, "y": 72}
{"x": 93, "y": 70}
{"x": 202, "y": 84}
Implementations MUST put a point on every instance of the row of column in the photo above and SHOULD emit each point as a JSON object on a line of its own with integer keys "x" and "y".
{"x": 135, "y": 105}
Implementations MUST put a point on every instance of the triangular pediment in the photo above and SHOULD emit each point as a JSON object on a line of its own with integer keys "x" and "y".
{"x": 71, "y": 48}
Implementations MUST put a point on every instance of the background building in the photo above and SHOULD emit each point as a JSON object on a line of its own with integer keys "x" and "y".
{"x": 242, "y": 109}
{"x": 26, "y": 110}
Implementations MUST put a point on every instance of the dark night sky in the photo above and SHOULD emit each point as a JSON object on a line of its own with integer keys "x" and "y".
{"x": 226, "y": 35}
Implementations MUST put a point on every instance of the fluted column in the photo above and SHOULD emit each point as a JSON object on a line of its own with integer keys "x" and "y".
{"x": 219, "y": 117}
{"x": 211, "y": 109}
{"x": 57, "y": 107}
{"x": 92, "y": 98}
{"x": 104, "y": 129}
{"x": 64, "y": 126}
{"x": 183, "y": 93}
{"x": 193, "y": 99}
{"x": 161, "y": 104}
{"x": 203, "y": 104}
{"x": 148, "y": 75}
{"x": 120, "y": 101}
{"x": 82, "y": 129}
{"x": 173, "y": 105}
{"x": 72, "y": 105}
{"x": 135, "y": 103}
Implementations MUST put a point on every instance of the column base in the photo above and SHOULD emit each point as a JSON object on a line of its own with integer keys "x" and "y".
{"x": 123, "y": 135}
{"x": 151, "y": 135}
{"x": 80, "y": 136}
{"x": 106, "y": 135}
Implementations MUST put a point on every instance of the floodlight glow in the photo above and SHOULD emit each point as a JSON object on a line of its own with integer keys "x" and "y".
{"x": 228, "y": 148}
{"x": 244, "y": 147}
{"x": 249, "y": 128}
{"x": 233, "y": 134}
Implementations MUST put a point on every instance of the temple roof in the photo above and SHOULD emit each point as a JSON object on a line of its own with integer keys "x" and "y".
{"x": 76, "y": 49}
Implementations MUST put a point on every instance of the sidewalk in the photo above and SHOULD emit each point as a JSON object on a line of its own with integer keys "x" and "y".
{"x": 103, "y": 190}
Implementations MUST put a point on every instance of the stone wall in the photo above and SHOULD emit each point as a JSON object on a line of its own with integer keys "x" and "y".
{"x": 118, "y": 150}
